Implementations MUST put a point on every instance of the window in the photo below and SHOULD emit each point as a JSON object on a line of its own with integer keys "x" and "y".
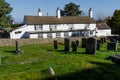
{"x": 49, "y": 35}
{"x": 70, "y": 26}
{"x": 54, "y": 27}
{"x": 18, "y": 32}
{"x": 40, "y": 35}
{"x": 58, "y": 34}
{"x": 87, "y": 26}
{"x": 38, "y": 27}
{"x": 66, "y": 34}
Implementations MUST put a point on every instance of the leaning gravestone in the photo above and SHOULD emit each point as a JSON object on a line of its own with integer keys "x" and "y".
{"x": 55, "y": 44}
{"x": 84, "y": 42}
{"x": 98, "y": 44}
{"x": 74, "y": 46}
{"x": 112, "y": 46}
{"x": 67, "y": 44}
{"x": 91, "y": 45}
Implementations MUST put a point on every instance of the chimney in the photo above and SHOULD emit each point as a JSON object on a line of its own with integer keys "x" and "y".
{"x": 58, "y": 15}
{"x": 90, "y": 13}
{"x": 39, "y": 12}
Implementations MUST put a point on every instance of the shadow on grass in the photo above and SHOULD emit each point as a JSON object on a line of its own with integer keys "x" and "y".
{"x": 102, "y": 71}
{"x": 12, "y": 51}
{"x": 67, "y": 52}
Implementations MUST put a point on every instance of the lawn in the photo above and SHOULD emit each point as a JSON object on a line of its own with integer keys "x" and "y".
{"x": 35, "y": 60}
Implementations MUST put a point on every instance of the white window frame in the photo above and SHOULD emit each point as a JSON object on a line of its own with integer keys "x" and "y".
{"x": 40, "y": 35}
{"x": 58, "y": 34}
{"x": 38, "y": 27}
{"x": 49, "y": 35}
{"x": 66, "y": 34}
{"x": 53, "y": 26}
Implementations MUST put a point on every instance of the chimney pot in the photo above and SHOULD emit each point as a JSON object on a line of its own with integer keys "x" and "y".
{"x": 39, "y": 12}
{"x": 58, "y": 12}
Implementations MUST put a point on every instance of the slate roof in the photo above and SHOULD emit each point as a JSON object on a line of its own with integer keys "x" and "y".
{"x": 54, "y": 20}
{"x": 102, "y": 26}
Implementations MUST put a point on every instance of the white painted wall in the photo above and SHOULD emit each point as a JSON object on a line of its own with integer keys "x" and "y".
{"x": 23, "y": 29}
{"x": 106, "y": 32}
{"x": 33, "y": 36}
{"x": 82, "y": 26}
{"x": 62, "y": 27}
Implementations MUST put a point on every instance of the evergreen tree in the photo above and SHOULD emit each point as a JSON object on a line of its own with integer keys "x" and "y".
{"x": 114, "y": 22}
{"x": 71, "y": 9}
{"x": 5, "y": 9}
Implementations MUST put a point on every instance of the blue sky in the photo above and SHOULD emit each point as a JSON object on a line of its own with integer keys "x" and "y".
{"x": 101, "y": 8}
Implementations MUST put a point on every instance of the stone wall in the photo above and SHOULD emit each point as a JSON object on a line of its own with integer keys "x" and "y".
{"x": 11, "y": 42}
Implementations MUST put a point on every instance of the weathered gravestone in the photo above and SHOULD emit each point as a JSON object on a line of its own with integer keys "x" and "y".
{"x": 102, "y": 40}
{"x": 115, "y": 58}
{"x": 114, "y": 40}
{"x": 91, "y": 45}
{"x": 98, "y": 44}
{"x": 74, "y": 46}
{"x": 112, "y": 46}
{"x": 77, "y": 43}
{"x": 55, "y": 44}
{"x": 66, "y": 44}
{"x": 84, "y": 42}
{"x": 17, "y": 48}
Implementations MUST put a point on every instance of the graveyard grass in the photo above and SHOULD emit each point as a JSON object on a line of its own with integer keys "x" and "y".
{"x": 35, "y": 60}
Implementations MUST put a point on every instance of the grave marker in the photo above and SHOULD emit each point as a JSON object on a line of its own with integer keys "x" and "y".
{"x": 112, "y": 46}
{"x": 84, "y": 42}
{"x": 77, "y": 43}
{"x": 102, "y": 40}
{"x": 55, "y": 44}
{"x": 17, "y": 48}
{"x": 74, "y": 46}
{"x": 91, "y": 45}
{"x": 67, "y": 44}
{"x": 98, "y": 44}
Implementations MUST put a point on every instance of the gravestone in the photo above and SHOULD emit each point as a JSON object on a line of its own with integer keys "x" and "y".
{"x": 114, "y": 40}
{"x": 67, "y": 44}
{"x": 115, "y": 58}
{"x": 55, "y": 44}
{"x": 84, "y": 42}
{"x": 77, "y": 43}
{"x": 102, "y": 40}
{"x": 112, "y": 46}
{"x": 91, "y": 45}
{"x": 98, "y": 44}
{"x": 17, "y": 48}
{"x": 74, "y": 46}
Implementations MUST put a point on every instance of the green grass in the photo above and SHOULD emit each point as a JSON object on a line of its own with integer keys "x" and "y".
{"x": 35, "y": 60}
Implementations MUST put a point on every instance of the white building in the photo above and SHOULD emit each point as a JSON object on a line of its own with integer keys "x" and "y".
{"x": 57, "y": 26}
{"x": 103, "y": 29}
